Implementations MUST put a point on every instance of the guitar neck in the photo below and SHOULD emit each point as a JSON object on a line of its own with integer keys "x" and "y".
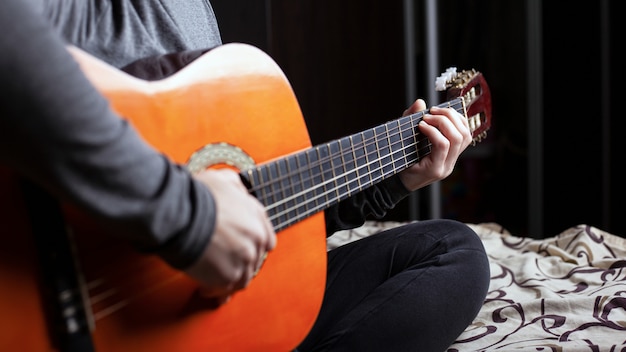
{"x": 302, "y": 184}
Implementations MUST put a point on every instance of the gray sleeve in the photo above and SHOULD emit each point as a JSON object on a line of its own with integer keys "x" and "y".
{"x": 56, "y": 129}
{"x": 122, "y": 31}
{"x": 374, "y": 201}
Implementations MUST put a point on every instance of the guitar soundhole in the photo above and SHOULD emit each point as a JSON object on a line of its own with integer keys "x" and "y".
{"x": 219, "y": 154}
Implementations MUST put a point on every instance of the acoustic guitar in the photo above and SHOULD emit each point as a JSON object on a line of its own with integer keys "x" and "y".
{"x": 90, "y": 290}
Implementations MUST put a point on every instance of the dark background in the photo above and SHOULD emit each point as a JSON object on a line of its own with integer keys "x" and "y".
{"x": 551, "y": 157}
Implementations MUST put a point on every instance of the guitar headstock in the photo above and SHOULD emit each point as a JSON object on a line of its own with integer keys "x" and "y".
{"x": 469, "y": 85}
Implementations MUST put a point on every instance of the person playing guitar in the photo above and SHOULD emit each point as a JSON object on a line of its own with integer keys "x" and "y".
{"x": 172, "y": 214}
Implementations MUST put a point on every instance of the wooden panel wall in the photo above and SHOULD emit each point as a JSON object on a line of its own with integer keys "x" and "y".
{"x": 345, "y": 62}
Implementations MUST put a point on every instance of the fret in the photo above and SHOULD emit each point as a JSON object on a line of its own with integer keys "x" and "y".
{"x": 355, "y": 159}
{"x": 317, "y": 176}
{"x": 343, "y": 180}
{"x": 328, "y": 173}
{"x": 363, "y": 174}
{"x": 264, "y": 191}
{"x": 393, "y": 140}
{"x": 308, "y": 174}
{"x": 338, "y": 170}
{"x": 457, "y": 104}
{"x": 325, "y": 174}
{"x": 324, "y": 162}
{"x": 349, "y": 165}
{"x": 462, "y": 109}
{"x": 406, "y": 139}
{"x": 371, "y": 157}
{"x": 276, "y": 191}
{"x": 383, "y": 147}
{"x": 287, "y": 186}
{"x": 422, "y": 144}
{"x": 305, "y": 182}
{"x": 252, "y": 178}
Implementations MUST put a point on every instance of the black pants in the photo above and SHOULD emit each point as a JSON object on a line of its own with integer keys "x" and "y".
{"x": 411, "y": 288}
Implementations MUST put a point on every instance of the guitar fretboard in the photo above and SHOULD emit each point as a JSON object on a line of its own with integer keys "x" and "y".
{"x": 302, "y": 184}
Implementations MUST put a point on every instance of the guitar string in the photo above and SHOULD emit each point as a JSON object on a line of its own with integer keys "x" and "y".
{"x": 317, "y": 166}
{"x": 363, "y": 143}
{"x": 377, "y": 162}
{"x": 335, "y": 189}
{"x": 114, "y": 306}
{"x": 104, "y": 295}
{"x": 331, "y": 191}
{"x": 317, "y": 163}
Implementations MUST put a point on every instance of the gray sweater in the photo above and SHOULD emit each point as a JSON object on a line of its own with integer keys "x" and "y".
{"x": 122, "y": 31}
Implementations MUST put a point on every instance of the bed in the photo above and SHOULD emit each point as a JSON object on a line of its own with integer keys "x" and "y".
{"x": 562, "y": 293}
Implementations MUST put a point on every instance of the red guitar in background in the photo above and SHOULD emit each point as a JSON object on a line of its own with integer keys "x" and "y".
{"x": 233, "y": 106}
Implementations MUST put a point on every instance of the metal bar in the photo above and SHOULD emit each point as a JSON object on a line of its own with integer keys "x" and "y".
{"x": 410, "y": 86}
{"x": 432, "y": 71}
{"x": 535, "y": 118}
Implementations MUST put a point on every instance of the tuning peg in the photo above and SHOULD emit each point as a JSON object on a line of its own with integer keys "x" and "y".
{"x": 451, "y": 71}
{"x": 442, "y": 82}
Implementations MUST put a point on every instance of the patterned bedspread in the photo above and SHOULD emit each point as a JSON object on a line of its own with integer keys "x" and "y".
{"x": 563, "y": 293}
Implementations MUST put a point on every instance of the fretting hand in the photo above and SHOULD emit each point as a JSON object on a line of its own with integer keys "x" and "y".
{"x": 449, "y": 134}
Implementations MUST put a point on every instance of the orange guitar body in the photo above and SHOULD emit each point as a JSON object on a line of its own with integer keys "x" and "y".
{"x": 234, "y": 94}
